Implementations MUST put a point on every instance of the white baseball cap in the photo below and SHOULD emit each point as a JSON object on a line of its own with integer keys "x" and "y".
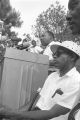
{"x": 73, "y": 46}
{"x": 54, "y": 46}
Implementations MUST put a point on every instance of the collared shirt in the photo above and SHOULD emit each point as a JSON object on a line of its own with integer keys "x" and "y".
{"x": 36, "y": 49}
{"x": 68, "y": 84}
{"x": 48, "y": 51}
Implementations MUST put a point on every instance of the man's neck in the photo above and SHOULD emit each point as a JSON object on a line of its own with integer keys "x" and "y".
{"x": 66, "y": 69}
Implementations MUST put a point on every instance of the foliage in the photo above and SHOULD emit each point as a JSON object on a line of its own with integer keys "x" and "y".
{"x": 9, "y": 14}
{"x": 13, "y": 18}
{"x": 53, "y": 19}
{"x": 10, "y": 17}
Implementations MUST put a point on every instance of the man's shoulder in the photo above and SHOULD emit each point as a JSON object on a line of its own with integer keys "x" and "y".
{"x": 73, "y": 72}
{"x": 53, "y": 76}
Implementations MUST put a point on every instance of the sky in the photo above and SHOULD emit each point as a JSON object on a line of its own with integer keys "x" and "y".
{"x": 29, "y": 10}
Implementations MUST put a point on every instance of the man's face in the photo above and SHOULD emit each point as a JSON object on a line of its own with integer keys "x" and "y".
{"x": 74, "y": 16}
{"x": 45, "y": 39}
{"x": 61, "y": 59}
{"x": 74, "y": 21}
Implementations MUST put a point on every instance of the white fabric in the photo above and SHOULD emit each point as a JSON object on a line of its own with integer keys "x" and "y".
{"x": 69, "y": 84}
{"x": 77, "y": 116}
{"x": 48, "y": 51}
{"x": 36, "y": 49}
{"x": 72, "y": 46}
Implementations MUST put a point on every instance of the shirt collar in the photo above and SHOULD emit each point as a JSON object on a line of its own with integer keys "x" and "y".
{"x": 51, "y": 43}
{"x": 71, "y": 72}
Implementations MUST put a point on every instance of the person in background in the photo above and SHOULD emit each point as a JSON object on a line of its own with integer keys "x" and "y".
{"x": 73, "y": 19}
{"x": 60, "y": 89}
{"x": 48, "y": 39}
{"x": 24, "y": 46}
{"x": 34, "y": 48}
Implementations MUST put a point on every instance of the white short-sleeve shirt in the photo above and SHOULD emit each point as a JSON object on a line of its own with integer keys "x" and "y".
{"x": 36, "y": 49}
{"x": 48, "y": 51}
{"x": 68, "y": 84}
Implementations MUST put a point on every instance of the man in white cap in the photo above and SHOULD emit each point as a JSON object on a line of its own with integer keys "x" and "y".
{"x": 60, "y": 89}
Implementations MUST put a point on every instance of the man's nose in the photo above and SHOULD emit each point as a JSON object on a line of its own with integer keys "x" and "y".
{"x": 69, "y": 16}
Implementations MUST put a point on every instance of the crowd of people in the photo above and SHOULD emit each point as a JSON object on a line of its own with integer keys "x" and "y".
{"x": 46, "y": 40}
{"x": 59, "y": 98}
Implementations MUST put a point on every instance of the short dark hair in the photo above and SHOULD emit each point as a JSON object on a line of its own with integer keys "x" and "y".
{"x": 50, "y": 33}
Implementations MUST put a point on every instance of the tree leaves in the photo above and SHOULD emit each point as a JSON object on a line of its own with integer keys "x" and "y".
{"x": 53, "y": 19}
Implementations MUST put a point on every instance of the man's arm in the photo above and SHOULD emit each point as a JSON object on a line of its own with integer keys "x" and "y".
{"x": 56, "y": 111}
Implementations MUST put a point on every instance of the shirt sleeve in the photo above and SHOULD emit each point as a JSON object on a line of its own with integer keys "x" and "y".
{"x": 70, "y": 95}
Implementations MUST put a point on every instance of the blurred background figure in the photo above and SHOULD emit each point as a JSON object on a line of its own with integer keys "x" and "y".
{"x": 24, "y": 45}
{"x": 34, "y": 48}
{"x": 47, "y": 39}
